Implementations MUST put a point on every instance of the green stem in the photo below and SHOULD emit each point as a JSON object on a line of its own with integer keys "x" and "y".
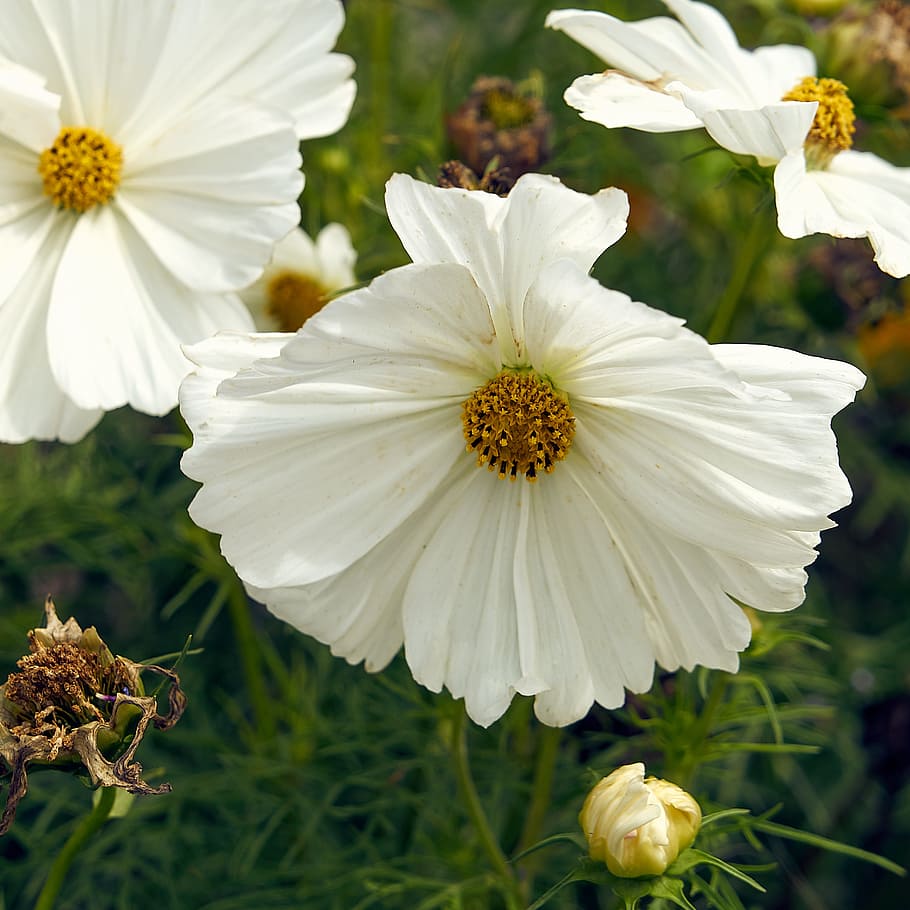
{"x": 747, "y": 256}
{"x": 541, "y": 791}
{"x": 701, "y": 730}
{"x": 76, "y": 841}
{"x": 250, "y": 659}
{"x": 475, "y": 809}
{"x": 542, "y": 786}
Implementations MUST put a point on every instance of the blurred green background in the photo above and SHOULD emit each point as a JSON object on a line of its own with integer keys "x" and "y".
{"x": 302, "y": 782}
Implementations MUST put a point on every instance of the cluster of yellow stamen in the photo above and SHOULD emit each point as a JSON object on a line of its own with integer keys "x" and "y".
{"x": 518, "y": 424}
{"x": 81, "y": 169}
{"x": 291, "y": 298}
{"x": 835, "y": 122}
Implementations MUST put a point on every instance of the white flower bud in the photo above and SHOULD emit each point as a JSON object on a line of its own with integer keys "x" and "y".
{"x": 638, "y": 826}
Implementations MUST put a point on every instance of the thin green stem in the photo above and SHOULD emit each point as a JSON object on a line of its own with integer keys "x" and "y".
{"x": 542, "y": 787}
{"x": 748, "y": 254}
{"x": 76, "y": 841}
{"x": 701, "y": 730}
{"x": 250, "y": 660}
{"x": 475, "y": 808}
{"x": 541, "y": 791}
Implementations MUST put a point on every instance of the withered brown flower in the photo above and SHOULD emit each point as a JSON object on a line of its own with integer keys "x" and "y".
{"x": 497, "y": 121}
{"x": 75, "y": 706}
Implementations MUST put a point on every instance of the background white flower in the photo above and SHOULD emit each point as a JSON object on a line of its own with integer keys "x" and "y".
{"x": 334, "y": 464}
{"x": 189, "y": 116}
{"x": 299, "y": 278}
{"x": 669, "y": 75}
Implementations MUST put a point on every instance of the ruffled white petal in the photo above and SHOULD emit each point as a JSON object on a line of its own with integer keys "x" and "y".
{"x": 767, "y": 132}
{"x": 858, "y": 195}
{"x": 701, "y": 72}
{"x": 544, "y": 222}
{"x": 614, "y": 100}
{"x": 459, "y": 610}
{"x": 505, "y": 242}
{"x": 714, "y": 458}
{"x": 381, "y": 372}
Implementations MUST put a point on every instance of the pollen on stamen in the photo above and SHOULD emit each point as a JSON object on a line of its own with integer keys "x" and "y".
{"x": 835, "y": 122}
{"x": 292, "y": 297}
{"x": 81, "y": 169}
{"x": 518, "y": 424}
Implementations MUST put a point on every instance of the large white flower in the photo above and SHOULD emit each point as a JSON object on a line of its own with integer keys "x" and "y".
{"x": 300, "y": 277}
{"x": 669, "y": 75}
{"x": 146, "y": 172}
{"x": 344, "y": 466}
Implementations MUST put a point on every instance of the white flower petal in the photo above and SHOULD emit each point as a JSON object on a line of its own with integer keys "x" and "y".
{"x": 688, "y": 616}
{"x": 29, "y": 114}
{"x": 614, "y": 100}
{"x": 108, "y": 339}
{"x": 366, "y": 372}
{"x": 359, "y": 612}
{"x": 546, "y": 222}
{"x": 212, "y": 199}
{"x": 467, "y": 640}
{"x": 844, "y": 202}
{"x": 768, "y": 132}
{"x": 649, "y": 50}
{"x": 214, "y": 362}
{"x": 448, "y": 225}
{"x": 287, "y": 63}
{"x": 32, "y": 405}
{"x": 581, "y": 630}
{"x": 696, "y": 63}
{"x": 337, "y": 256}
{"x": 506, "y": 242}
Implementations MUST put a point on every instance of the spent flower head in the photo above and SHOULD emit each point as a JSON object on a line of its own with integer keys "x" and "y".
{"x": 501, "y": 125}
{"x": 76, "y": 706}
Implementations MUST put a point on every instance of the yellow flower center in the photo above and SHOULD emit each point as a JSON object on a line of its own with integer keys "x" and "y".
{"x": 834, "y": 124}
{"x": 291, "y": 298}
{"x": 81, "y": 169}
{"x": 518, "y": 424}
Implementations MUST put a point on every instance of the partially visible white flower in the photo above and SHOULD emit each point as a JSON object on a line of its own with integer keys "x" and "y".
{"x": 669, "y": 75}
{"x": 343, "y": 466}
{"x": 638, "y": 825}
{"x": 300, "y": 278}
{"x": 148, "y": 164}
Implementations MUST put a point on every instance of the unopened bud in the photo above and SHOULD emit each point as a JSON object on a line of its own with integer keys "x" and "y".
{"x": 638, "y": 826}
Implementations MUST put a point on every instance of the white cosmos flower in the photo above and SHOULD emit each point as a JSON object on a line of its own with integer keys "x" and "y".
{"x": 167, "y": 140}
{"x": 667, "y": 75}
{"x": 300, "y": 277}
{"x": 336, "y": 464}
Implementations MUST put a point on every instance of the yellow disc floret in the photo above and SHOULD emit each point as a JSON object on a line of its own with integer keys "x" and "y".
{"x": 81, "y": 169}
{"x": 518, "y": 424}
{"x": 834, "y": 124}
{"x": 291, "y": 298}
